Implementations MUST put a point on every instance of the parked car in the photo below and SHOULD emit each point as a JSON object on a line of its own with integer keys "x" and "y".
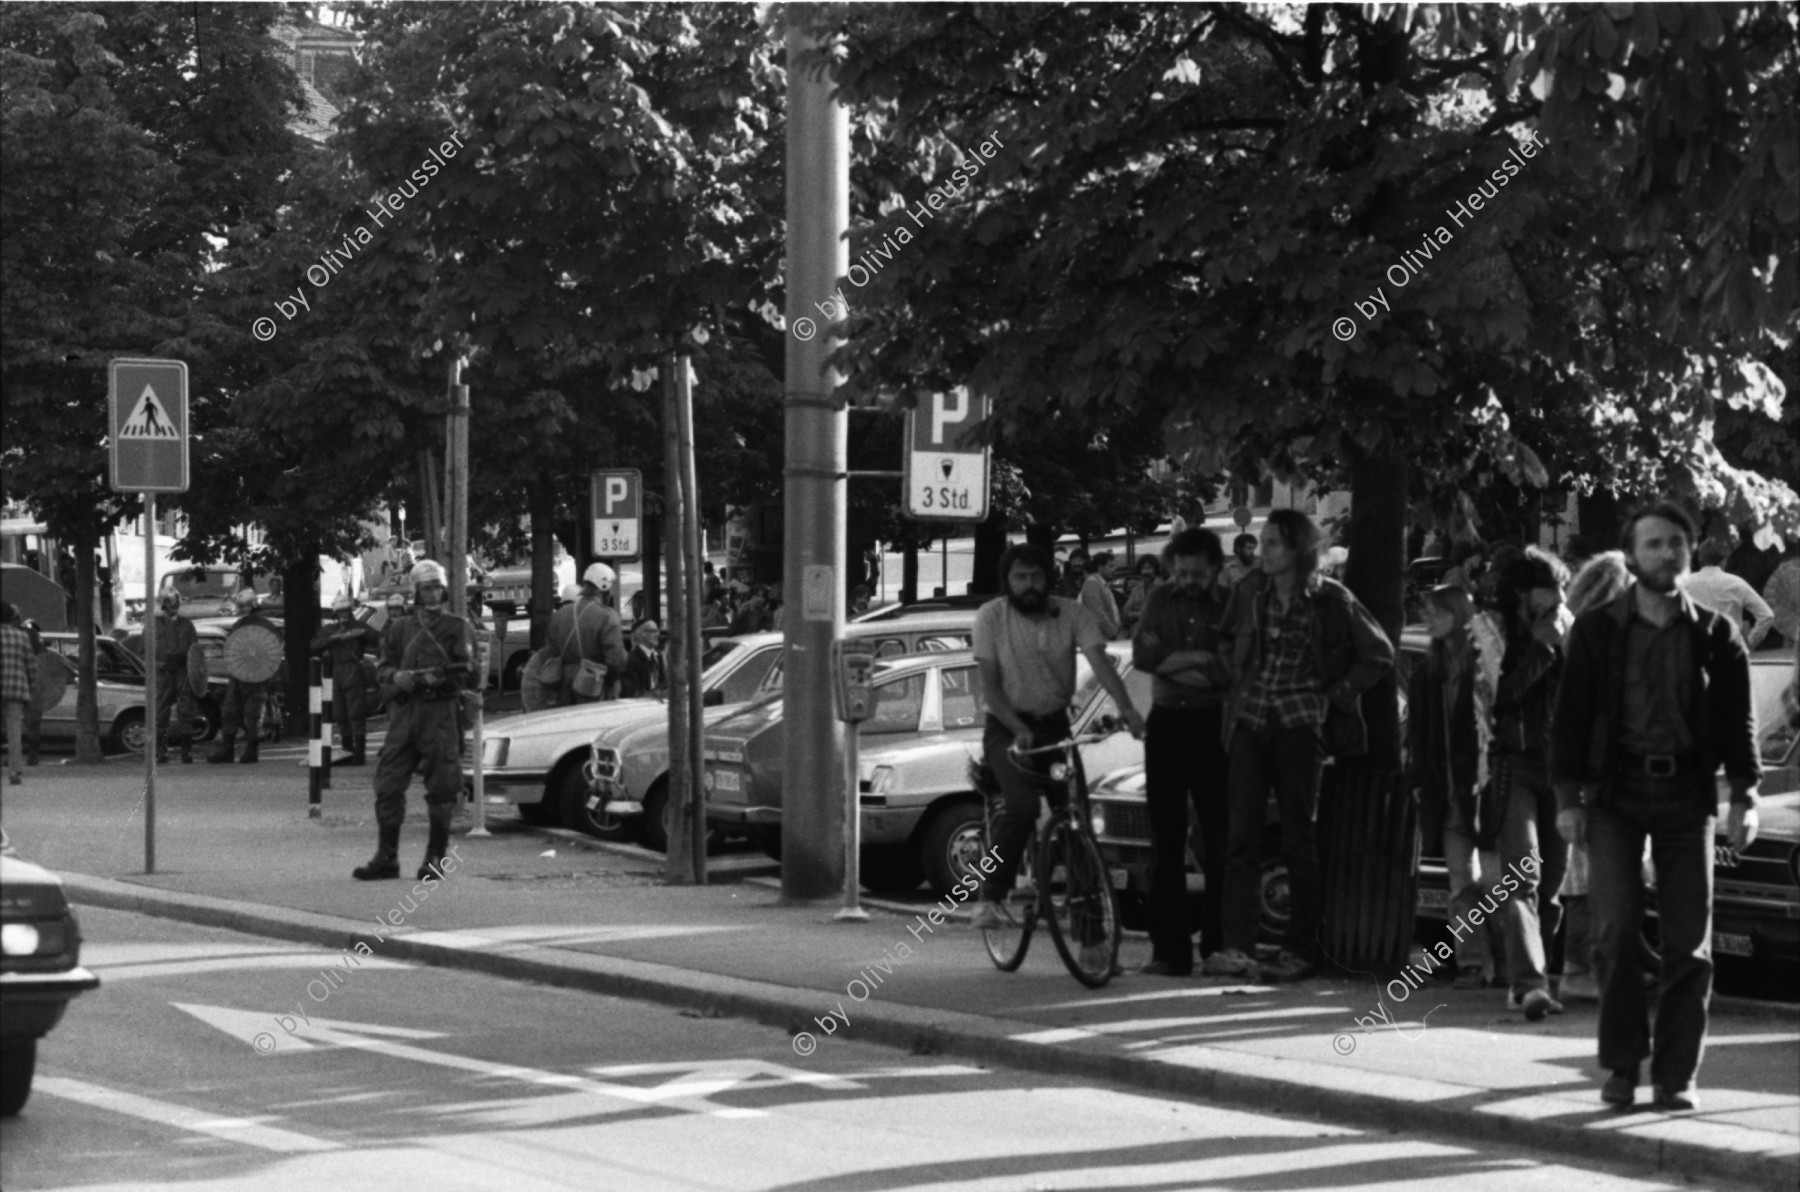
{"x": 116, "y": 662}
{"x": 121, "y": 714}
{"x": 922, "y": 818}
{"x": 40, "y": 970}
{"x": 573, "y": 765}
{"x": 207, "y": 591}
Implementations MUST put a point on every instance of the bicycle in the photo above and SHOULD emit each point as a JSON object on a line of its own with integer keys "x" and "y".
{"x": 1076, "y": 895}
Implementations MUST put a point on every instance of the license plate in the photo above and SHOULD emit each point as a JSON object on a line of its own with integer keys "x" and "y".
{"x": 1727, "y": 943}
{"x": 1434, "y": 899}
{"x": 1120, "y": 879}
{"x": 726, "y": 780}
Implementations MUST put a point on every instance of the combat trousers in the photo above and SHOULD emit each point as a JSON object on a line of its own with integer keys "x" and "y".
{"x": 423, "y": 735}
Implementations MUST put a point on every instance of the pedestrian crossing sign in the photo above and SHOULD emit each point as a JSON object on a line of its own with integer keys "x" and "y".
{"x": 148, "y": 425}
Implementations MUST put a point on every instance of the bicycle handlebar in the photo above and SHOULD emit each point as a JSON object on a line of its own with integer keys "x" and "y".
{"x": 1014, "y": 751}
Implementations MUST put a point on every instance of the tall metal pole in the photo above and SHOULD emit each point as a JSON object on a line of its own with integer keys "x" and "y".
{"x": 818, "y": 216}
{"x": 690, "y": 533}
{"x": 150, "y": 678}
{"x": 458, "y": 496}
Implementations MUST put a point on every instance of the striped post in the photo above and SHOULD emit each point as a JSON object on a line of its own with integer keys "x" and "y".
{"x": 314, "y": 797}
{"x": 325, "y": 727}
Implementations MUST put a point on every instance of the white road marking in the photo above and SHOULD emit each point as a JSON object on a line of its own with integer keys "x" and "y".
{"x": 247, "y": 1131}
{"x": 1218, "y": 991}
{"x": 1136, "y": 1025}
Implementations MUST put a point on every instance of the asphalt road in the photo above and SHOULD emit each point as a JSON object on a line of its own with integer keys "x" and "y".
{"x": 214, "y": 1060}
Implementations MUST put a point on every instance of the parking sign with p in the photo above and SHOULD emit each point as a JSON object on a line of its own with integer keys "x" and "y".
{"x": 617, "y": 499}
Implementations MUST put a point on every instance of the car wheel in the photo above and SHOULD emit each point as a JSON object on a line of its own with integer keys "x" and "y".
{"x": 545, "y": 813}
{"x": 653, "y": 829}
{"x": 890, "y": 868}
{"x": 127, "y": 734}
{"x": 1276, "y": 893}
{"x": 17, "y": 1063}
{"x": 206, "y": 720}
{"x": 953, "y": 840}
{"x": 573, "y": 796}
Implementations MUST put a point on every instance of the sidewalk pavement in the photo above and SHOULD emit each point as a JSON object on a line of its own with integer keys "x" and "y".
{"x": 236, "y": 849}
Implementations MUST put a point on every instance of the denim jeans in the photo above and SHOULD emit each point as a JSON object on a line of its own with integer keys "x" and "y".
{"x": 1287, "y": 760}
{"x": 1681, "y": 846}
{"x": 1539, "y": 856}
{"x": 1020, "y": 793}
{"x": 1184, "y": 762}
{"x": 1465, "y": 867}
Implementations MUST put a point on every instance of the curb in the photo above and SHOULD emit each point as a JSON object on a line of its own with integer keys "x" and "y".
{"x": 973, "y": 1036}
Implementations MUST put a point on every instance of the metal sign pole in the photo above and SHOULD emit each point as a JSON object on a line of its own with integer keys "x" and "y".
{"x": 150, "y": 677}
{"x": 852, "y": 908}
{"x": 485, "y": 650}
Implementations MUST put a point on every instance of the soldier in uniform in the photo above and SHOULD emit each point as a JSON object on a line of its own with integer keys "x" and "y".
{"x": 243, "y": 701}
{"x": 342, "y": 645}
{"x": 175, "y": 636}
{"x": 427, "y": 659}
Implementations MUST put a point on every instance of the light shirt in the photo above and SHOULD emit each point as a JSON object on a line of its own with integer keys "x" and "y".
{"x": 1036, "y": 655}
{"x": 1098, "y": 599}
{"x": 1730, "y": 596}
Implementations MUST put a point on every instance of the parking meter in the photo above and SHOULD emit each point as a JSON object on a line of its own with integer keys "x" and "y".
{"x": 853, "y": 693}
{"x": 853, "y": 666}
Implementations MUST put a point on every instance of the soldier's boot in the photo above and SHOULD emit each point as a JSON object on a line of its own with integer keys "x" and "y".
{"x": 358, "y": 744}
{"x": 162, "y": 750}
{"x": 249, "y": 757}
{"x": 187, "y": 749}
{"x": 252, "y": 742}
{"x": 386, "y": 861}
{"x": 437, "y": 843}
{"x": 221, "y": 753}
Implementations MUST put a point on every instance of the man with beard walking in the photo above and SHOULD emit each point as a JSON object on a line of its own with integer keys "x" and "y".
{"x": 1655, "y": 698}
{"x": 1025, "y": 646}
{"x": 426, "y": 658}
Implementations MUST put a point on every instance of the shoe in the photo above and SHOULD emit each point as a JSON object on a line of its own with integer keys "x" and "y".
{"x": 249, "y": 759}
{"x": 380, "y": 867}
{"x": 218, "y": 759}
{"x": 989, "y": 917}
{"x": 351, "y": 759}
{"x": 1620, "y": 1088}
{"x": 15, "y": 779}
{"x": 1536, "y": 1003}
{"x": 162, "y": 757}
{"x": 1470, "y": 976}
{"x": 1676, "y": 1101}
{"x": 430, "y": 867}
{"x": 1289, "y": 967}
{"x": 1166, "y": 968}
{"x": 1579, "y": 987}
{"x": 1231, "y": 963}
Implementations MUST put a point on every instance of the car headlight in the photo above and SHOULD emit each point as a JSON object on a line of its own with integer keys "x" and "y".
{"x": 1097, "y": 818}
{"x": 493, "y": 751}
{"x": 881, "y": 780}
{"x": 43, "y": 938}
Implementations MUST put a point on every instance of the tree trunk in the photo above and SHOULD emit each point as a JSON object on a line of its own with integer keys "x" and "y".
{"x": 653, "y": 552}
{"x": 300, "y": 624}
{"x": 542, "y": 499}
{"x": 990, "y": 544}
{"x": 88, "y": 750}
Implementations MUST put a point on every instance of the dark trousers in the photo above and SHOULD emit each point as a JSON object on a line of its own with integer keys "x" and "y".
{"x": 1184, "y": 762}
{"x": 174, "y": 696}
{"x": 243, "y": 710}
{"x": 424, "y": 735}
{"x": 1533, "y": 913}
{"x": 1681, "y": 845}
{"x": 1020, "y": 791}
{"x": 350, "y": 711}
{"x": 1287, "y": 761}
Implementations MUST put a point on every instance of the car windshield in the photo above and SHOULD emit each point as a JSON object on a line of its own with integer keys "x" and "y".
{"x": 717, "y": 653}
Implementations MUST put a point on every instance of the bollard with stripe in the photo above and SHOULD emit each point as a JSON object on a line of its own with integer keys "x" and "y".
{"x": 314, "y": 796}
{"x": 325, "y": 730}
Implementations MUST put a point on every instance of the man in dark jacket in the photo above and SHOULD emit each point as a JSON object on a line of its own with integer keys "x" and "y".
{"x": 644, "y": 667}
{"x": 1529, "y": 595}
{"x": 175, "y": 636}
{"x": 1655, "y": 699}
{"x": 1302, "y": 650}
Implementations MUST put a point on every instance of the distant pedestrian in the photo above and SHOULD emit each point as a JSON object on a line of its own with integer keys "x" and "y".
{"x": 1783, "y": 594}
{"x": 46, "y": 661}
{"x": 1302, "y": 652}
{"x": 1242, "y": 561}
{"x": 644, "y": 667}
{"x": 1074, "y": 575}
{"x": 1731, "y": 596}
{"x": 1529, "y": 598}
{"x": 1149, "y": 573}
{"x": 1177, "y": 642}
{"x": 1655, "y": 698}
{"x": 753, "y": 614}
{"x": 1096, "y": 595}
{"x": 175, "y": 707}
{"x": 18, "y": 670}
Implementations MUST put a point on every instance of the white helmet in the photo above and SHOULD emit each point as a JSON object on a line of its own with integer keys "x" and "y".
{"x": 571, "y": 592}
{"x": 244, "y": 598}
{"x": 425, "y": 571}
{"x": 600, "y": 575}
{"x": 169, "y": 599}
{"x": 342, "y": 602}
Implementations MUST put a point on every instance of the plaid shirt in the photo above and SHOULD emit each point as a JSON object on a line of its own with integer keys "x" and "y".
{"x": 1286, "y": 693}
{"x": 17, "y": 667}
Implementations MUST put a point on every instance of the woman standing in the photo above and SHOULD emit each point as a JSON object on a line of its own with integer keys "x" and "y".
{"x": 1450, "y": 701}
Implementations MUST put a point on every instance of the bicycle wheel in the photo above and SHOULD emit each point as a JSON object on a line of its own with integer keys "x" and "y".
{"x": 1006, "y": 946}
{"x": 1084, "y": 919}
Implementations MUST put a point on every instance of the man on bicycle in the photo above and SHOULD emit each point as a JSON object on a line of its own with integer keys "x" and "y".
{"x": 1025, "y": 646}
